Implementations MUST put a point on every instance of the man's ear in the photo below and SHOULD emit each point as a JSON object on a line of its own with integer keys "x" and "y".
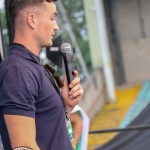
{"x": 31, "y": 19}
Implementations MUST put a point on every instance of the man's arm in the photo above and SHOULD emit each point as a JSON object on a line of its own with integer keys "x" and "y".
{"x": 22, "y": 131}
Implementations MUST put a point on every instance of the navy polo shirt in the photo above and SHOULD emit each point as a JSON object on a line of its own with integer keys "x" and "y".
{"x": 25, "y": 90}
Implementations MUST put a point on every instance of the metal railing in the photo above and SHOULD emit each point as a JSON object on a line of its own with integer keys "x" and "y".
{"x": 129, "y": 128}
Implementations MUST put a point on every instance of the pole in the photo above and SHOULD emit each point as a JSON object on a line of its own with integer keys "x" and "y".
{"x": 104, "y": 44}
{"x": 1, "y": 43}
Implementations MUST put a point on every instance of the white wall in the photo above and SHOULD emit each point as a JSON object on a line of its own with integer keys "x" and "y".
{"x": 133, "y": 26}
{"x": 94, "y": 94}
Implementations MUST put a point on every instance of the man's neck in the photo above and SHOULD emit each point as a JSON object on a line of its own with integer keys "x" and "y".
{"x": 29, "y": 44}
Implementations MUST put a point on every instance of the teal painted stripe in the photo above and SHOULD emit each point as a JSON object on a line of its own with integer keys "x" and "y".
{"x": 140, "y": 103}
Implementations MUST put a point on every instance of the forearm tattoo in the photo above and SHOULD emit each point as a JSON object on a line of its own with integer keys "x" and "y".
{"x": 22, "y": 148}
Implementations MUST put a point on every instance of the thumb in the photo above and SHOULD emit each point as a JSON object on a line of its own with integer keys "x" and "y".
{"x": 75, "y": 73}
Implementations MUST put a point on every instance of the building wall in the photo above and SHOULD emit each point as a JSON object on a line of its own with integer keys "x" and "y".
{"x": 94, "y": 94}
{"x": 133, "y": 27}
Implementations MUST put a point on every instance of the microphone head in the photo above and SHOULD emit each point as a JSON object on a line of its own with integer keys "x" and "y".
{"x": 66, "y": 48}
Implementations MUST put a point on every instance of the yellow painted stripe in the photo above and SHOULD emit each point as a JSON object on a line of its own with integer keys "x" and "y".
{"x": 112, "y": 115}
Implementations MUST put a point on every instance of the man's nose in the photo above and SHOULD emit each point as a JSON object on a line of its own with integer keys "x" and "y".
{"x": 56, "y": 28}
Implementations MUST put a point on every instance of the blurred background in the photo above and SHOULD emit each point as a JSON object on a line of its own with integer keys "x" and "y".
{"x": 110, "y": 43}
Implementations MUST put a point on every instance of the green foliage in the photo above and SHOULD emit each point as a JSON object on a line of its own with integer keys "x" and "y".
{"x": 3, "y": 18}
{"x": 76, "y": 15}
{"x": 3, "y": 22}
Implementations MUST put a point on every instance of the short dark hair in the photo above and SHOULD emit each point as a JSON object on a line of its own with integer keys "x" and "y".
{"x": 16, "y": 5}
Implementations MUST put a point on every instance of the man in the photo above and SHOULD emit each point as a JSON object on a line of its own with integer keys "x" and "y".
{"x": 31, "y": 108}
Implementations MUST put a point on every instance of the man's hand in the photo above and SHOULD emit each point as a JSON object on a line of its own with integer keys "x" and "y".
{"x": 72, "y": 98}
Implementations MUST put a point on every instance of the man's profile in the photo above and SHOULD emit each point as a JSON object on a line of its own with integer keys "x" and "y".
{"x": 31, "y": 105}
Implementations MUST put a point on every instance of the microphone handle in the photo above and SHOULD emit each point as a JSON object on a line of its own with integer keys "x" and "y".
{"x": 68, "y": 67}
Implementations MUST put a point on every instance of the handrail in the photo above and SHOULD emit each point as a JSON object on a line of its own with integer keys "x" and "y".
{"x": 129, "y": 128}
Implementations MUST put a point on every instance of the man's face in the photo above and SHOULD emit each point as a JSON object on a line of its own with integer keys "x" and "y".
{"x": 47, "y": 25}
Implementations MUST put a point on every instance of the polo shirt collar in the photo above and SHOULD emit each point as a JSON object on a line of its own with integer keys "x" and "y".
{"x": 15, "y": 49}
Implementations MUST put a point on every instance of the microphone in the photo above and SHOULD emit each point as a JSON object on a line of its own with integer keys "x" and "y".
{"x": 67, "y": 56}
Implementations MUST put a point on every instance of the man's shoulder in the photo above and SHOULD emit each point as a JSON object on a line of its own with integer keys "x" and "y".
{"x": 13, "y": 60}
{"x": 19, "y": 64}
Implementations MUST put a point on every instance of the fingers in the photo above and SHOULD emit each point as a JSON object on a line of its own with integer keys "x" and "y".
{"x": 75, "y": 73}
{"x": 75, "y": 91}
{"x": 76, "y": 79}
{"x": 74, "y": 82}
{"x": 77, "y": 94}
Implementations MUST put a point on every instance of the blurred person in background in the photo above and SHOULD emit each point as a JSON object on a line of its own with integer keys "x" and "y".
{"x": 80, "y": 123}
{"x": 32, "y": 115}
{"x": 76, "y": 121}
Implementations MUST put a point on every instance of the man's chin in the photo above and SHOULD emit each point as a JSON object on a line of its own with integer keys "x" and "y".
{"x": 48, "y": 44}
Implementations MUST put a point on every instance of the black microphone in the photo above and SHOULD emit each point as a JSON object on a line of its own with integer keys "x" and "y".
{"x": 67, "y": 56}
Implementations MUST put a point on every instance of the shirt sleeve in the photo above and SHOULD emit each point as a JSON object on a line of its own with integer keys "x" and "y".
{"x": 18, "y": 92}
